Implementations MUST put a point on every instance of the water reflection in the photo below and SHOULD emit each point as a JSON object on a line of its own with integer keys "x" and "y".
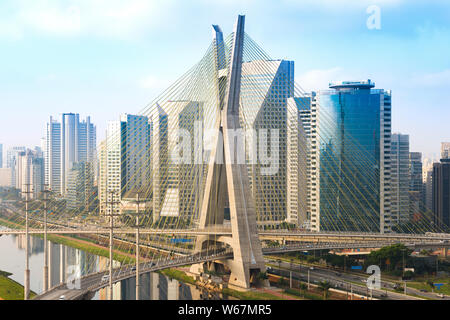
{"x": 153, "y": 286}
{"x": 62, "y": 260}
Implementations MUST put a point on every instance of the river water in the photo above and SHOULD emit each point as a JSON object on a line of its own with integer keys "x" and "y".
{"x": 154, "y": 286}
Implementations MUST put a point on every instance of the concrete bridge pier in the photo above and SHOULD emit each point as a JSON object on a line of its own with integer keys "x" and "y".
{"x": 154, "y": 286}
{"x": 27, "y": 284}
{"x": 62, "y": 264}
{"x": 173, "y": 290}
{"x": 49, "y": 271}
{"x": 45, "y": 277}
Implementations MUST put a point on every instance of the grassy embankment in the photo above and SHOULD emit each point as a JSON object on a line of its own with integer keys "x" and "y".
{"x": 423, "y": 285}
{"x": 10, "y": 289}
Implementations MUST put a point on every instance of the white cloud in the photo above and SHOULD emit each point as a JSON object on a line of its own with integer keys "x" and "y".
{"x": 343, "y": 5}
{"x": 118, "y": 18}
{"x": 319, "y": 79}
{"x": 436, "y": 79}
{"x": 52, "y": 19}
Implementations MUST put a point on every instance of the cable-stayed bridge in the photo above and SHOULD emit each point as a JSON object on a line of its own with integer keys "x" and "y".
{"x": 91, "y": 283}
{"x": 227, "y": 160}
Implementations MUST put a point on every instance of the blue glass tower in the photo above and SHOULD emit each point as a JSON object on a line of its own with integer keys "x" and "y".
{"x": 351, "y": 156}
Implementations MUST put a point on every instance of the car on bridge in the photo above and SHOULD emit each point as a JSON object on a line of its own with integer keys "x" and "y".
{"x": 105, "y": 278}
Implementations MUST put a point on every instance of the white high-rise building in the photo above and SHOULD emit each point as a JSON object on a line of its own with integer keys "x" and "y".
{"x": 67, "y": 143}
{"x": 78, "y": 142}
{"x": 6, "y": 177}
{"x": 30, "y": 171}
{"x": 11, "y": 158}
{"x": 113, "y": 172}
{"x": 400, "y": 177}
{"x": 102, "y": 176}
{"x": 298, "y": 160}
{"x": 52, "y": 156}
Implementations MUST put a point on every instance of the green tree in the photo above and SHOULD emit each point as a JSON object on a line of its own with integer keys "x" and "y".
{"x": 303, "y": 287}
{"x": 430, "y": 284}
{"x": 261, "y": 277}
{"x": 282, "y": 282}
{"x": 390, "y": 257}
{"x": 325, "y": 287}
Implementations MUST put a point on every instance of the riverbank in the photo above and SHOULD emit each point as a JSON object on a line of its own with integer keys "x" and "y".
{"x": 10, "y": 289}
{"x": 75, "y": 242}
{"x": 253, "y": 294}
{"x": 88, "y": 245}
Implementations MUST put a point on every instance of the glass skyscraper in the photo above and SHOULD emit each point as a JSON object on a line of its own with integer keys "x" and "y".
{"x": 350, "y": 158}
{"x": 275, "y": 79}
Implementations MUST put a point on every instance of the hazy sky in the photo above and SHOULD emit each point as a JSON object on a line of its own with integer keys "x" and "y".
{"x": 106, "y": 57}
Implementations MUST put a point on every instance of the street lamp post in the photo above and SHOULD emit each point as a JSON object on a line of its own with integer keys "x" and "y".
{"x": 27, "y": 245}
{"x": 111, "y": 243}
{"x": 137, "y": 248}
{"x": 351, "y": 291}
{"x": 308, "y": 279}
{"x": 46, "y": 285}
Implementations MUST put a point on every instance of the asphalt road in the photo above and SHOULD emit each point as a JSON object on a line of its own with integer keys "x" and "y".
{"x": 343, "y": 281}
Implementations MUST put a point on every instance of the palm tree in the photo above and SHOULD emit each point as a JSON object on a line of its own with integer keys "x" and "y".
{"x": 303, "y": 288}
{"x": 324, "y": 286}
{"x": 281, "y": 282}
{"x": 431, "y": 284}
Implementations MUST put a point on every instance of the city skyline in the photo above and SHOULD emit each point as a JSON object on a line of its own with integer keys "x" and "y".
{"x": 76, "y": 75}
{"x": 230, "y": 166}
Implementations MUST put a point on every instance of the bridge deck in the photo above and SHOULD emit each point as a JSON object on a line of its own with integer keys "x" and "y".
{"x": 93, "y": 282}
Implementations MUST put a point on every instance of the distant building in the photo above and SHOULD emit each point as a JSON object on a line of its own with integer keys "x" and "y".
{"x": 67, "y": 142}
{"x": 427, "y": 178}
{"x": 6, "y": 177}
{"x": 78, "y": 143}
{"x": 102, "y": 176}
{"x": 53, "y": 156}
{"x": 441, "y": 193}
{"x": 11, "y": 157}
{"x": 81, "y": 193}
{"x": 416, "y": 187}
{"x": 29, "y": 171}
{"x": 400, "y": 178}
{"x": 1, "y": 155}
{"x": 445, "y": 150}
{"x": 113, "y": 176}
